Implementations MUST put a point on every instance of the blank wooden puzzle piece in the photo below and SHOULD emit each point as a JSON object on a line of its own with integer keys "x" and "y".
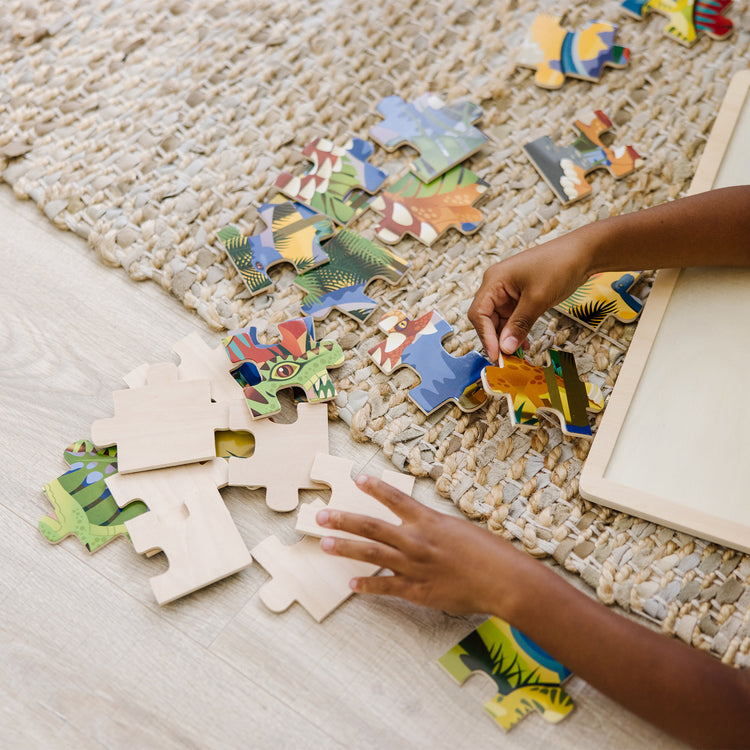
{"x": 555, "y": 389}
{"x": 302, "y": 572}
{"x": 527, "y": 678}
{"x": 687, "y": 19}
{"x": 417, "y": 344}
{"x": 354, "y": 263}
{"x": 293, "y": 234}
{"x": 426, "y": 211}
{"x": 564, "y": 168}
{"x": 336, "y": 472}
{"x": 296, "y": 361}
{"x": 167, "y": 422}
{"x": 283, "y": 455}
{"x": 82, "y": 503}
{"x": 444, "y": 135}
{"x": 188, "y": 521}
{"x": 556, "y": 53}
{"x": 602, "y": 295}
{"x": 339, "y": 180}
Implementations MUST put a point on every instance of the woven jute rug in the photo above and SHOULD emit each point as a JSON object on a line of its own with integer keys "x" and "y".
{"x": 148, "y": 126}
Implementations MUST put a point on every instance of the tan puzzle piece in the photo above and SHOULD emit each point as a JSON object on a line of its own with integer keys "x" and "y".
{"x": 336, "y": 472}
{"x": 165, "y": 423}
{"x": 304, "y": 573}
{"x": 198, "y": 361}
{"x": 188, "y": 520}
{"x": 284, "y": 453}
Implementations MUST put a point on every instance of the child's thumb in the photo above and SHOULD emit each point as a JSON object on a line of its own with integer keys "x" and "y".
{"x": 517, "y": 328}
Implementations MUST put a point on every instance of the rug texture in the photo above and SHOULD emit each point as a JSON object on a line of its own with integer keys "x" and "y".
{"x": 148, "y": 126}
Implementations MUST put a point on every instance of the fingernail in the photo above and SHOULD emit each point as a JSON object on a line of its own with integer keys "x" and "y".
{"x": 326, "y": 543}
{"x": 510, "y": 343}
{"x": 323, "y": 517}
{"x": 353, "y": 584}
{"x": 360, "y": 480}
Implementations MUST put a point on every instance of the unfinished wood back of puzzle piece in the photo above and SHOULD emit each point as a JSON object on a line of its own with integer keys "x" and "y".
{"x": 283, "y": 455}
{"x": 198, "y": 361}
{"x": 188, "y": 520}
{"x": 345, "y": 495}
{"x": 164, "y": 423}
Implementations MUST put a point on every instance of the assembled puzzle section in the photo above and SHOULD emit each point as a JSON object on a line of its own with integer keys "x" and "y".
{"x": 687, "y": 19}
{"x": 564, "y": 168}
{"x": 426, "y": 211}
{"x": 556, "y": 53}
{"x": 293, "y": 234}
{"x": 340, "y": 284}
{"x": 188, "y": 521}
{"x": 527, "y": 678}
{"x": 82, "y": 504}
{"x": 336, "y": 472}
{"x": 297, "y": 360}
{"x": 284, "y": 453}
{"x": 339, "y": 180}
{"x": 418, "y": 345}
{"x": 164, "y": 423}
{"x": 444, "y": 135}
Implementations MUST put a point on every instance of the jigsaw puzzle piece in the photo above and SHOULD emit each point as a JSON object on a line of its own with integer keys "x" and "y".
{"x": 336, "y": 472}
{"x": 426, "y": 211}
{"x": 417, "y": 344}
{"x": 296, "y": 361}
{"x": 354, "y": 263}
{"x": 555, "y": 389}
{"x": 337, "y": 183}
{"x": 564, "y": 168}
{"x": 556, "y": 53}
{"x": 444, "y": 135}
{"x": 686, "y": 18}
{"x": 165, "y": 423}
{"x": 604, "y": 294}
{"x": 304, "y": 573}
{"x": 527, "y": 678}
{"x": 293, "y": 235}
{"x": 188, "y": 521}
{"x": 82, "y": 503}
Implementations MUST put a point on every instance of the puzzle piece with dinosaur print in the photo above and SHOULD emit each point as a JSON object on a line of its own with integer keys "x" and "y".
{"x": 687, "y": 19}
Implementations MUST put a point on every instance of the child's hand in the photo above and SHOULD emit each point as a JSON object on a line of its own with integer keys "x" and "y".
{"x": 437, "y": 560}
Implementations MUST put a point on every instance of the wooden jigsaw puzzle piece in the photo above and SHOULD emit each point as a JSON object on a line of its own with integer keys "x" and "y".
{"x": 686, "y": 18}
{"x": 426, "y": 211}
{"x": 336, "y": 472}
{"x": 284, "y": 453}
{"x": 417, "y": 344}
{"x": 354, "y": 263}
{"x": 602, "y": 295}
{"x": 444, "y": 135}
{"x": 165, "y": 423}
{"x": 293, "y": 234}
{"x": 82, "y": 503}
{"x": 188, "y": 520}
{"x": 527, "y": 678}
{"x": 296, "y": 361}
{"x": 335, "y": 183}
{"x": 302, "y": 572}
{"x": 556, "y": 53}
{"x": 555, "y": 389}
{"x": 564, "y": 168}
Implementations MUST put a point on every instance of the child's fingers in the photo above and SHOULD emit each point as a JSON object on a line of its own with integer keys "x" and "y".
{"x": 380, "y": 585}
{"x": 370, "y": 552}
{"x": 404, "y": 506}
{"x": 364, "y": 526}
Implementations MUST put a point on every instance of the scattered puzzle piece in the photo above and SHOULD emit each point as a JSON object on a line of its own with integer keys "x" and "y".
{"x": 336, "y": 472}
{"x": 564, "y": 168}
{"x": 188, "y": 520}
{"x": 604, "y": 294}
{"x": 354, "y": 263}
{"x": 527, "y": 678}
{"x": 82, "y": 503}
{"x": 417, "y": 344}
{"x": 293, "y": 233}
{"x": 284, "y": 453}
{"x": 444, "y": 136}
{"x": 296, "y": 361}
{"x": 555, "y": 388}
{"x": 425, "y": 211}
{"x": 686, "y": 18}
{"x": 556, "y": 53}
{"x": 335, "y": 183}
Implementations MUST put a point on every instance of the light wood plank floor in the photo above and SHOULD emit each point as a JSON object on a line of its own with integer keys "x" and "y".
{"x": 89, "y": 660}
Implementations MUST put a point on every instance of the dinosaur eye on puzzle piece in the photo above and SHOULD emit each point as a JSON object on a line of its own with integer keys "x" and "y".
{"x": 284, "y": 370}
